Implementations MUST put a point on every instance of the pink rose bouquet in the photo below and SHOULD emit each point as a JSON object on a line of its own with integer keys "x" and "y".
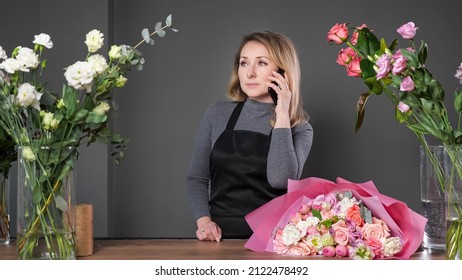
{"x": 418, "y": 99}
{"x": 343, "y": 219}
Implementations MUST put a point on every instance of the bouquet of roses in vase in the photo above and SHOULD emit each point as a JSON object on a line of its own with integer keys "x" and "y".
{"x": 418, "y": 99}
{"x": 48, "y": 128}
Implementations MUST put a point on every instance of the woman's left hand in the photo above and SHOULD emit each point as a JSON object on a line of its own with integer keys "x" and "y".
{"x": 284, "y": 96}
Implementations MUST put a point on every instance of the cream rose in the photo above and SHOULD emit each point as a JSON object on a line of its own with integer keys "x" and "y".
{"x": 375, "y": 230}
{"x": 341, "y": 232}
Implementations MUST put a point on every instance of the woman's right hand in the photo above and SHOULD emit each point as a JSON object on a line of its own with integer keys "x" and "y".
{"x": 207, "y": 230}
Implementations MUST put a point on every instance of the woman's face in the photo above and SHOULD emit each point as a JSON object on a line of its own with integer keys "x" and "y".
{"x": 255, "y": 66}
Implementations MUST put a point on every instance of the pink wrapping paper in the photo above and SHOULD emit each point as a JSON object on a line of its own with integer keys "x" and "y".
{"x": 402, "y": 221}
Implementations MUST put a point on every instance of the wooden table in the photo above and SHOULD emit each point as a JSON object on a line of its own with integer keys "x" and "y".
{"x": 184, "y": 249}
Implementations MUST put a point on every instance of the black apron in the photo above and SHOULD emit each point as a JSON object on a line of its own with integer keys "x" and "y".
{"x": 239, "y": 183}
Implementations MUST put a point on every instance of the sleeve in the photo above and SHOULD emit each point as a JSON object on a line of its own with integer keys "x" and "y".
{"x": 289, "y": 150}
{"x": 198, "y": 175}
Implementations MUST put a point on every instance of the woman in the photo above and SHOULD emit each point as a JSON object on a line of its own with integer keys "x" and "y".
{"x": 247, "y": 148}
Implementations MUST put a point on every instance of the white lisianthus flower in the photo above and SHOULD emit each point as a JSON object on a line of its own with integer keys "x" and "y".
{"x": 28, "y": 154}
{"x": 102, "y": 108}
{"x": 48, "y": 120}
{"x": 27, "y": 58}
{"x": 2, "y": 77}
{"x": 302, "y": 226}
{"x": 10, "y": 65}
{"x": 94, "y": 40}
{"x": 80, "y": 75}
{"x": 291, "y": 235}
{"x": 115, "y": 52}
{"x": 28, "y": 96}
{"x": 312, "y": 221}
{"x": 2, "y": 53}
{"x": 43, "y": 40}
{"x": 98, "y": 62}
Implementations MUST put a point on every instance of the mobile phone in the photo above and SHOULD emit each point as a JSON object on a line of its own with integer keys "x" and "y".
{"x": 271, "y": 91}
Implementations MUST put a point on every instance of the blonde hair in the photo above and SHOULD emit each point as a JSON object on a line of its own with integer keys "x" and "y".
{"x": 282, "y": 51}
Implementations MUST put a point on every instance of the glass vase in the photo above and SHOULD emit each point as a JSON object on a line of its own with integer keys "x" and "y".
{"x": 433, "y": 197}
{"x": 46, "y": 203}
{"x": 4, "y": 209}
{"x": 453, "y": 194}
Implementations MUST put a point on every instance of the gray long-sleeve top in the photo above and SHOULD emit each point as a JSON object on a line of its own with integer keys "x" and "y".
{"x": 287, "y": 155}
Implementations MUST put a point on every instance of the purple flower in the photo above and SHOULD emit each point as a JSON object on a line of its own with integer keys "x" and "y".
{"x": 408, "y": 30}
{"x": 458, "y": 74}
{"x": 403, "y": 107}
{"x": 407, "y": 84}
{"x": 399, "y": 63}
{"x": 383, "y": 66}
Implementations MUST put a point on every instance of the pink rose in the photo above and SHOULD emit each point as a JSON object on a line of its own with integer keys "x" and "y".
{"x": 354, "y": 215}
{"x": 383, "y": 65}
{"x": 338, "y": 34}
{"x": 354, "y": 69}
{"x": 408, "y": 30}
{"x": 302, "y": 248}
{"x": 344, "y": 56}
{"x": 328, "y": 251}
{"x": 341, "y": 232}
{"x": 403, "y": 107}
{"x": 354, "y": 37}
{"x": 341, "y": 250}
{"x": 407, "y": 84}
{"x": 375, "y": 230}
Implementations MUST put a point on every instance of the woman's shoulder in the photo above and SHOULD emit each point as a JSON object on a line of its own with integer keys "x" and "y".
{"x": 221, "y": 107}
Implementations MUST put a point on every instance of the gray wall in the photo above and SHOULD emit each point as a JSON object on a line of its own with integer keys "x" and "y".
{"x": 185, "y": 72}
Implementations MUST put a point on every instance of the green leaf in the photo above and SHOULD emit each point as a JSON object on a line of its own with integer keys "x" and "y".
{"x": 316, "y": 213}
{"x": 423, "y": 53}
{"x": 417, "y": 128}
{"x": 361, "y": 110}
{"x": 36, "y": 194}
{"x": 367, "y": 69}
{"x": 458, "y": 101}
{"x": 159, "y": 30}
{"x": 145, "y": 35}
{"x": 410, "y": 99}
{"x": 430, "y": 106}
{"x": 437, "y": 90}
{"x": 96, "y": 118}
{"x": 365, "y": 214}
{"x": 412, "y": 59}
{"x": 80, "y": 115}
{"x": 70, "y": 100}
{"x": 168, "y": 20}
{"x": 393, "y": 45}
{"x": 367, "y": 43}
{"x": 61, "y": 204}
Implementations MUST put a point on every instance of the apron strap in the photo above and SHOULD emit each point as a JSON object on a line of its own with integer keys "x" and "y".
{"x": 234, "y": 116}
